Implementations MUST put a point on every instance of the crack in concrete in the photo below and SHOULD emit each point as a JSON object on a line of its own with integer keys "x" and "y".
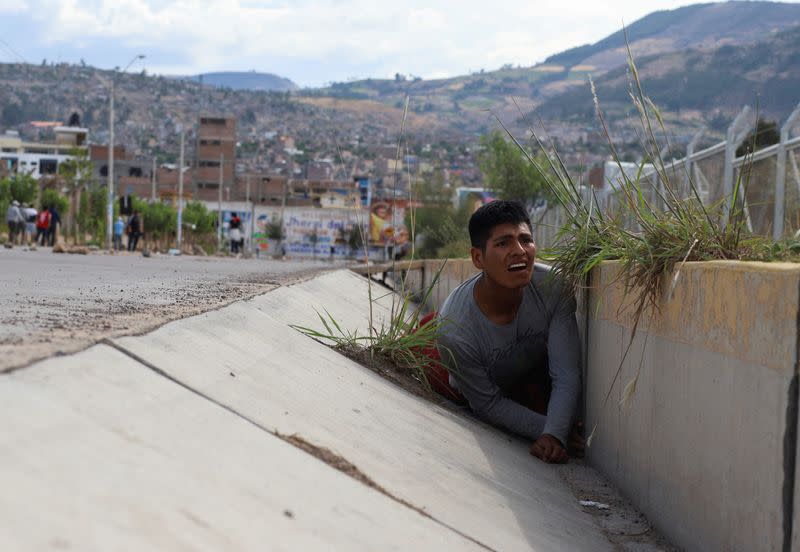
{"x": 321, "y": 453}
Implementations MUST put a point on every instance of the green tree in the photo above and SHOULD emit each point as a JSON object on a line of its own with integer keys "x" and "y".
{"x": 765, "y": 134}
{"x": 159, "y": 220}
{"x": 91, "y": 215}
{"x": 275, "y": 230}
{"x": 98, "y": 200}
{"x": 51, "y": 198}
{"x": 23, "y": 188}
{"x": 439, "y": 228}
{"x": 82, "y": 217}
{"x": 76, "y": 170}
{"x": 5, "y": 199}
{"x": 198, "y": 218}
{"x": 355, "y": 240}
{"x": 508, "y": 172}
{"x": 75, "y": 173}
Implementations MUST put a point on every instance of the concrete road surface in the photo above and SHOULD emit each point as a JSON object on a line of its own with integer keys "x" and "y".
{"x": 60, "y": 303}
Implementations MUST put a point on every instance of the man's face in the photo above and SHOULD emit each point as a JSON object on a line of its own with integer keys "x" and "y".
{"x": 508, "y": 257}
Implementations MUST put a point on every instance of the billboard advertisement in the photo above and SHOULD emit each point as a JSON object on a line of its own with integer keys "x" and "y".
{"x": 308, "y": 231}
{"x": 387, "y": 226}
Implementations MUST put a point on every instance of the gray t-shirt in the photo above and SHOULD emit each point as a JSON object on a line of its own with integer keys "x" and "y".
{"x": 488, "y": 361}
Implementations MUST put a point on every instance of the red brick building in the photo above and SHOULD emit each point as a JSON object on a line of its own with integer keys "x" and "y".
{"x": 216, "y": 142}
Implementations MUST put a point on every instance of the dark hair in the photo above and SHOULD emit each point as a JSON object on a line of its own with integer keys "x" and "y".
{"x": 484, "y": 220}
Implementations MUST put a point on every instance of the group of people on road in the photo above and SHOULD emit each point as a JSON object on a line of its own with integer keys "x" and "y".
{"x": 24, "y": 221}
{"x": 133, "y": 229}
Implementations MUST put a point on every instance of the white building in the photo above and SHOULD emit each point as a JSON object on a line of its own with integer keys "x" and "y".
{"x": 39, "y": 158}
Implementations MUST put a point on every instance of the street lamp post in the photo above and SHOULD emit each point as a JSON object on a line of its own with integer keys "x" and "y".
{"x": 180, "y": 194}
{"x": 219, "y": 203}
{"x": 110, "y": 206}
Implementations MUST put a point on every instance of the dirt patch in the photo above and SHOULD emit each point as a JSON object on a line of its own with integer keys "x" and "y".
{"x": 342, "y": 464}
{"x": 622, "y": 523}
{"x": 348, "y": 468}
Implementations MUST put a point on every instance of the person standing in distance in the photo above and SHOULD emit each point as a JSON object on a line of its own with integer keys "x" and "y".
{"x": 134, "y": 231}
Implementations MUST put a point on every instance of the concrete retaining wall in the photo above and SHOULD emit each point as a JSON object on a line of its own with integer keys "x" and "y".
{"x": 707, "y": 448}
{"x": 420, "y": 275}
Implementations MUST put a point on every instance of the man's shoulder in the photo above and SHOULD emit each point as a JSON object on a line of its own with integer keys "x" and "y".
{"x": 460, "y": 299}
{"x": 548, "y": 281}
{"x": 551, "y": 287}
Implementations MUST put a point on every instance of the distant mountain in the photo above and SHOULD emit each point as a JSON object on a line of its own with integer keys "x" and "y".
{"x": 465, "y": 100}
{"x": 695, "y": 26}
{"x": 766, "y": 73}
{"x": 249, "y": 80}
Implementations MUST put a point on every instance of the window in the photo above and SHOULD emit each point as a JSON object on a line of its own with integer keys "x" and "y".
{"x": 212, "y": 121}
{"x": 135, "y": 171}
{"x": 210, "y": 142}
{"x": 48, "y": 166}
{"x": 209, "y": 163}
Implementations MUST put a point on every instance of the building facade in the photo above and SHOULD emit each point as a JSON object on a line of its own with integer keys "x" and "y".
{"x": 40, "y": 158}
{"x": 216, "y": 151}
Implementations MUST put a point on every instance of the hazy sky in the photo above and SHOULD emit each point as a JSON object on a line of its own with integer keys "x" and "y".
{"x": 312, "y": 42}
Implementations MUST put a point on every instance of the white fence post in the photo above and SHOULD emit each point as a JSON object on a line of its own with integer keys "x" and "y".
{"x": 689, "y": 164}
{"x": 780, "y": 175}
{"x": 732, "y": 142}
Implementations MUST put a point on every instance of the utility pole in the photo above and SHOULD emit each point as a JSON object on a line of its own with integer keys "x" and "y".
{"x": 219, "y": 204}
{"x": 283, "y": 200}
{"x": 110, "y": 206}
{"x": 252, "y": 212}
{"x": 153, "y": 175}
{"x": 180, "y": 195}
{"x": 110, "y": 201}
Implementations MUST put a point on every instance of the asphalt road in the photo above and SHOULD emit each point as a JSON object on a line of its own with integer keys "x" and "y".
{"x": 59, "y": 303}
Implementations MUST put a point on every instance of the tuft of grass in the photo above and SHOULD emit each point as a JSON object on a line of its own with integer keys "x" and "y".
{"x": 400, "y": 338}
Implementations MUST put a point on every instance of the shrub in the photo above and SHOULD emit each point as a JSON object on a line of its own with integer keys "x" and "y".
{"x": 51, "y": 198}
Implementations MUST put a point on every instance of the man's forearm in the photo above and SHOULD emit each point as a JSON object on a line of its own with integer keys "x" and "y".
{"x": 561, "y": 410}
{"x": 514, "y": 417}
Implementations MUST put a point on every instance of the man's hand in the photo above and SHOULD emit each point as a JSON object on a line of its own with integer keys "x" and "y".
{"x": 549, "y": 449}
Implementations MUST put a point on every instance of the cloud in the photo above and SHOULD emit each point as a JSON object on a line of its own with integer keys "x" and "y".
{"x": 333, "y": 38}
{"x": 13, "y": 6}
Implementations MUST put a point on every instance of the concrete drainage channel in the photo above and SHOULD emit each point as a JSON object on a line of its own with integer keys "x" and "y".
{"x": 220, "y": 431}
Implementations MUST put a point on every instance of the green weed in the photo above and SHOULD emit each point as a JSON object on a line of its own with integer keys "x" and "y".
{"x": 400, "y": 338}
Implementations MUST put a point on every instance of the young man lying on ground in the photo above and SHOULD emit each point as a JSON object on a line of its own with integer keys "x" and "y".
{"x": 509, "y": 337}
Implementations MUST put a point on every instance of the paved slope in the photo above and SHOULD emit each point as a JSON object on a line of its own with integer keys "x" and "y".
{"x": 469, "y": 477}
{"x": 101, "y": 453}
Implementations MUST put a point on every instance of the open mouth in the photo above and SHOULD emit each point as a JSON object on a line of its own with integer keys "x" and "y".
{"x": 516, "y": 267}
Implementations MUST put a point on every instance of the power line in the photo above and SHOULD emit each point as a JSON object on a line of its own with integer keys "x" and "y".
{"x": 13, "y": 51}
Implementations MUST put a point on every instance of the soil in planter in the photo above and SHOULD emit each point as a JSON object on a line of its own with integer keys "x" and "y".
{"x": 399, "y": 375}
